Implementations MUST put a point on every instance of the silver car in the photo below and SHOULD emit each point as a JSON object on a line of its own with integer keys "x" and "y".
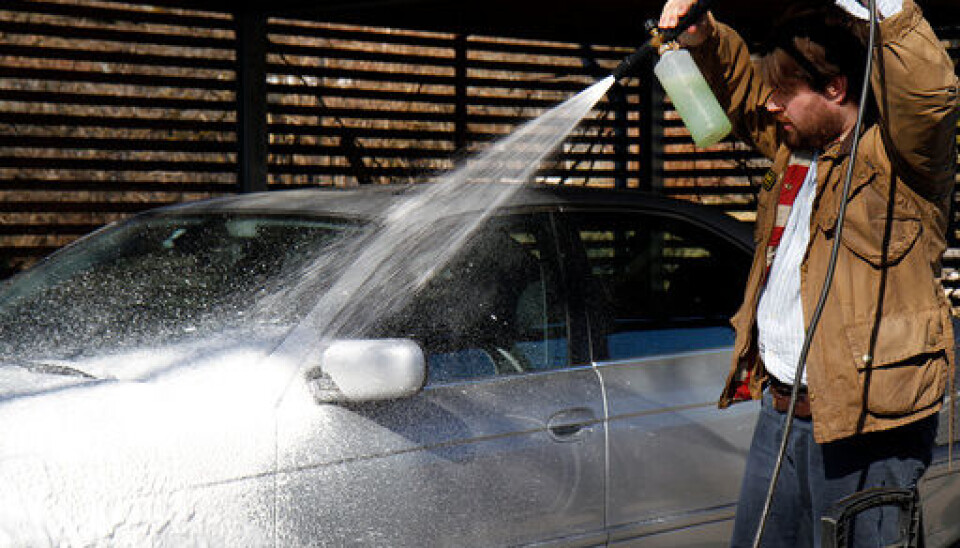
{"x": 247, "y": 372}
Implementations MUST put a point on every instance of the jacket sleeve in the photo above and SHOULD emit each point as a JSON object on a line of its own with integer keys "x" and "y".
{"x": 916, "y": 91}
{"x": 725, "y": 62}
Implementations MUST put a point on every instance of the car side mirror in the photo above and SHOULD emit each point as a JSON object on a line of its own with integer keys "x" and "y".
{"x": 368, "y": 370}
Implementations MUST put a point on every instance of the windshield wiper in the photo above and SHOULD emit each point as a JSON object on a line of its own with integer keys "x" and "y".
{"x": 55, "y": 369}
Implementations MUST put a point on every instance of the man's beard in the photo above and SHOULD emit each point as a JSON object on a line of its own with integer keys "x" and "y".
{"x": 798, "y": 139}
{"x": 820, "y": 131}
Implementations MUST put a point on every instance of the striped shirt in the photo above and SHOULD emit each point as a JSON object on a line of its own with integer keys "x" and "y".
{"x": 780, "y": 321}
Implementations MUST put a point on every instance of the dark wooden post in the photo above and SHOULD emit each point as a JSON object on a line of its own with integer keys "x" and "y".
{"x": 251, "y": 99}
{"x": 621, "y": 144}
{"x": 651, "y": 129}
{"x": 460, "y": 93}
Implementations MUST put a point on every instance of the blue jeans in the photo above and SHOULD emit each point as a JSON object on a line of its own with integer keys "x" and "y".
{"x": 813, "y": 477}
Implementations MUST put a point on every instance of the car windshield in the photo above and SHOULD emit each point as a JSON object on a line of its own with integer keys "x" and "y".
{"x": 161, "y": 279}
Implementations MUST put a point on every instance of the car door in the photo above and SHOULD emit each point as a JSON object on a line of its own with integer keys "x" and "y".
{"x": 660, "y": 290}
{"x": 503, "y": 446}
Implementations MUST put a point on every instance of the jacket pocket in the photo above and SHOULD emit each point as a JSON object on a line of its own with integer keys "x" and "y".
{"x": 878, "y": 231}
{"x": 901, "y": 362}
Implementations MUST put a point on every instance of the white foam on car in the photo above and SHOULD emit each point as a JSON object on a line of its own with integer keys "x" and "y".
{"x": 171, "y": 457}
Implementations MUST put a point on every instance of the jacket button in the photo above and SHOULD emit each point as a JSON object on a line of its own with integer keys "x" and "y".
{"x": 867, "y": 359}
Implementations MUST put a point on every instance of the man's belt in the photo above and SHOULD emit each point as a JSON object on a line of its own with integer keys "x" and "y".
{"x": 781, "y": 399}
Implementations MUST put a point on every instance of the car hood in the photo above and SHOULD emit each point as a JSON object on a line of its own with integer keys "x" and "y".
{"x": 182, "y": 450}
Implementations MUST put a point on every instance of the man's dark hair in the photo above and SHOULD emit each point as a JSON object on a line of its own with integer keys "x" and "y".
{"x": 814, "y": 45}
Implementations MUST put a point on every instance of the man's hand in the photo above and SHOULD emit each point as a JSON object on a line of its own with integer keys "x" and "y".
{"x": 696, "y": 33}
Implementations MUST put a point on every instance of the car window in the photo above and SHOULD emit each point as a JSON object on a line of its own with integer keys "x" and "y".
{"x": 495, "y": 309}
{"x": 158, "y": 279}
{"x": 658, "y": 284}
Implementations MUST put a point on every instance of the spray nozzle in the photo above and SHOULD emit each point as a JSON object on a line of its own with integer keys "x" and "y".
{"x": 656, "y": 38}
{"x": 659, "y": 37}
{"x": 631, "y": 61}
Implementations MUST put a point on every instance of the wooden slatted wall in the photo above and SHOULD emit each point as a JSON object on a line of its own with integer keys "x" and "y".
{"x": 351, "y": 105}
{"x": 107, "y": 110}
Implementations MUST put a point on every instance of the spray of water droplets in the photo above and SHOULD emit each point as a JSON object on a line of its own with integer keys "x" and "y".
{"x": 388, "y": 268}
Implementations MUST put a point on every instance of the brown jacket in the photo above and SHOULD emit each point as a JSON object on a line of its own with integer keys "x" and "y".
{"x": 883, "y": 350}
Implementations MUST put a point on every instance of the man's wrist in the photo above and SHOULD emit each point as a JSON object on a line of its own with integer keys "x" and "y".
{"x": 707, "y": 29}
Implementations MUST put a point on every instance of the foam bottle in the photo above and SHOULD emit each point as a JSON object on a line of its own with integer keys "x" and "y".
{"x": 691, "y": 95}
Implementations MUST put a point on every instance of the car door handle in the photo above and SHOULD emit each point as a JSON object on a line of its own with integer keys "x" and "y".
{"x": 570, "y": 424}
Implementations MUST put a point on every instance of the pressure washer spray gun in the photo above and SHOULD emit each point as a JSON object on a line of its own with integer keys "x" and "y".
{"x": 682, "y": 80}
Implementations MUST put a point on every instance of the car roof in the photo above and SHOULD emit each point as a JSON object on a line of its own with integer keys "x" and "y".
{"x": 372, "y": 201}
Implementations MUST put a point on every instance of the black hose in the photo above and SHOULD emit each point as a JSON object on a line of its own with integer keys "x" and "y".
{"x": 828, "y": 279}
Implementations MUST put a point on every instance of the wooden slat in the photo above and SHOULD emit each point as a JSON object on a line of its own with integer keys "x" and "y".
{"x": 118, "y": 14}
{"x": 425, "y": 79}
{"x": 329, "y": 53}
{"x": 301, "y": 131}
{"x": 128, "y": 122}
{"x": 479, "y": 44}
{"x": 398, "y": 152}
{"x": 711, "y": 155}
{"x": 713, "y": 172}
{"x": 83, "y": 164}
{"x": 381, "y": 152}
{"x": 115, "y": 35}
{"x": 281, "y": 27}
{"x": 119, "y": 186}
{"x": 350, "y": 74}
{"x": 403, "y": 171}
{"x": 125, "y": 79}
{"x": 105, "y": 144}
{"x": 361, "y": 113}
{"x": 475, "y": 99}
{"x": 570, "y": 68}
{"x": 712, "y": 190}
{"x": 118, "y": 57}
{"x": 282, "y": 129}
{"x": 398, "y": 115}
{"x": 385, "y": 171}
{"x": 93, "y": 99}
{"x": 523, "y": 69}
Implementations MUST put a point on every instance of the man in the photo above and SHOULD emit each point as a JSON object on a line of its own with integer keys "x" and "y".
{"x": 882, "y": 355}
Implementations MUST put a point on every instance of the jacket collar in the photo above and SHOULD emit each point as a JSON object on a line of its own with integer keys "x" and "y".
{"x": 839, "y": 149}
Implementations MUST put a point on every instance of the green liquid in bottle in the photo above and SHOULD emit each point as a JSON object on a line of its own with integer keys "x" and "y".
{"x": 692, "y": 97}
